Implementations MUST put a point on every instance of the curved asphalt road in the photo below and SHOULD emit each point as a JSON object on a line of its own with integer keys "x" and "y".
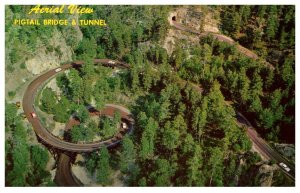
{"x": 64, "y": 176}
{"x": 64, "y": 160}
{"x": 45, "y": 136}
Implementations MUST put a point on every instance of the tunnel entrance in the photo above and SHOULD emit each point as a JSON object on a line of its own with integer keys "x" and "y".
{"x": 174, "y": 18}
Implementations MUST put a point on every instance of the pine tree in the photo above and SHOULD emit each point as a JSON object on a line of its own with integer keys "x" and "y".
{"x": 170, "y": 136}
{"x": 48, "y": 100}
{"x": 162, "y": 173}
{"x": 128, "y": 155}
{"x": 148, "y": 139}
{"x": 194, "y": 164}
{"x": 200, "y": 118}
{"x": 215, "y": 167}
{"x": 76, "y": 85}
{"x": 103, "y": 168}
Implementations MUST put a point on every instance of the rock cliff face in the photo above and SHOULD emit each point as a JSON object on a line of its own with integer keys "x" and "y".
{"x": 265, "y": 176}
{"x": 199, "y": 18}
{"x": 61, "y": 52}
{"x": 271, "y": 175}
{"x": 45, "y": 60}
{"x": 287, "y": 150}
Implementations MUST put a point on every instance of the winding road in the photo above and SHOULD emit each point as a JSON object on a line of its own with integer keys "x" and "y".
{"x": 53, "y": 141}
{"x": 64, "y": 176}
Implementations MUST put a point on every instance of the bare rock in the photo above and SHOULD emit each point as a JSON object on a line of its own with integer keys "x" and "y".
{"x": 45, "y": 59}
{"x": 287, "y": 150}
{"x": 198, "y": 18}
{"x": 266, "y": 175}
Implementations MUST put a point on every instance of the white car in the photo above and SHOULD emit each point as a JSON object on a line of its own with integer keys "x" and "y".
{"x": 284, "y": 166}
{"x": 57, "y": 69}
{"x": 123, "y": 125}
{"x": 111, "y": 62}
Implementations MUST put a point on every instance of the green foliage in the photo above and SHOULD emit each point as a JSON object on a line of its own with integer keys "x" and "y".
{"x": 20, "y": 156}
{"x": 281, "y": 180}
{"x": 272, "y": 22}
{"x": 76, "y": 133}
{"x": 178, "y": 57}
{"x": 48, "y": 100}
{"x": 107, "y": 127}
{"x": 148, "y": 139}
{"x": 231, "y": 171}
{"x": 39, "y": 157}
{"x": 91, "y": 162}
{"x": 117, "y": 118}
{"x": 82, "y": 113}
{"x": 11, "y": 94}
{"x": 25, "y": 165}
{"x": 88, "y": 74}
{"x": 76, "y": 85}
{"x": 10, "y": 114}
{"x": 200, "y": 118}
{"x": 23, "y": 66}
{"x": 128, "y": 155}
{"x": 134, "y": 76}
{"x": 215, "y": 168}
{"x": 62, "y": 110}
{"x": 254, "y": 26}
{"x": 82, "y": 133}
{"x": 103, "y": 168}
{"x": 182, "y": 137}
{"x": 86, "y": 48}
{"x": 39, "y": 160}
{"x": 162, "y": 173}
{"x": 170, "y": 137}
{"x": 194, "y": 164}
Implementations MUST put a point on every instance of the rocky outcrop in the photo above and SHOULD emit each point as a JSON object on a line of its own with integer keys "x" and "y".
{"x": 287, "y": 150}
{"x": 198, "y": 18}
{"x": 265, "y": 176}
{"x": 45, "y": 59}
{"x": 174, "y": 36}
{"x": 60, "y": 52}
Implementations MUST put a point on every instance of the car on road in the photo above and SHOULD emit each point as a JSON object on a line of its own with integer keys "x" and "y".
{"x": 33, "y": 115}
{"x": 123, "y": 125}
{"x": 57, "y": 69}
{"x": 111, "y": 62}
{"x": 284, "y": 166}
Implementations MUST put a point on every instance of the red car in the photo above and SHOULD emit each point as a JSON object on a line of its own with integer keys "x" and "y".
{"x": 33, "y": 115}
